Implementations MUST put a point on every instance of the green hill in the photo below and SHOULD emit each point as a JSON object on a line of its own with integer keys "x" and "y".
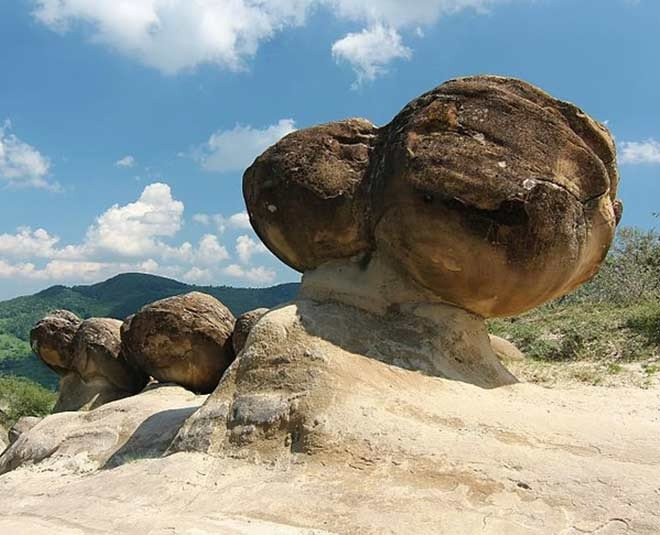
{"x": 117, "y": 297}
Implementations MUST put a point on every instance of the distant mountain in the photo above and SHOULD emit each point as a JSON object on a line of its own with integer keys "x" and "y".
{"x": 117, "y": 297}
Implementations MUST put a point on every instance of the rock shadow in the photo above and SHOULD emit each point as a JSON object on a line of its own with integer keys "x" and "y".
{"x": 151, "y": 438}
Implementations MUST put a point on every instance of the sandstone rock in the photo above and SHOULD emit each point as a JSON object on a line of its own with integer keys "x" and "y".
{"x": 504, "y": 349}
{"x": 23, "y": 425}
{"x": 51, "y": 339}
{"x": 243, "y": 326}
{"x": 486, "y": 191}
{"x": 141, "y": 426}
{"x": 184, "y": 339}
{"x": 86, "y": 355}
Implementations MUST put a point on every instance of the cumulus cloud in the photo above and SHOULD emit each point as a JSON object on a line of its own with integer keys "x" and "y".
{"x": 20, "y": 163}
{"x": 239, "y": 220}
{"x": 176, "y": 35}
{"x": 640, "y": 152}
{"x": 126, "y": 161}
{"x": 134, "y": 237}
{"x": 246, "y": 248}
{"x": 173, "y": 35}
{"x": 257, "y": 275}
{"x": 369, "y": 51}
{"x": 236, "y": 149}
{"x": 133, "y": 229}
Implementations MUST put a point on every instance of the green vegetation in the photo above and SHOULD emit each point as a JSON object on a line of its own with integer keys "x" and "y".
{"x": 611, "y": 321}
{"x": 22, "y": 397}
{"x": 117, "y": 297}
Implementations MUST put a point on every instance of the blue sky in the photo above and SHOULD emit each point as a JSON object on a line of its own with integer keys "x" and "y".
{"x": 125, "y": 126}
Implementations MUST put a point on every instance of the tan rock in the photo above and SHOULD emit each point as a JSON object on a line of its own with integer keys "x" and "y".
{"x": 504, "y": 349}
{"x": 184, "y": 339}
{"x": 141, "y": 426}
{"x": 243, "y": 326}
{"x": 23, "y": 425}
{"x": 51, "y": 339}
{"x": 489, "y": 193}
{"x": 87, "y": 357}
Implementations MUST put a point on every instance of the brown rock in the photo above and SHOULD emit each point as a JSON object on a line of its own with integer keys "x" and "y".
{"x": 51, "y": 339}
{"x": 489, "y": 193}
{"x": 316, "y": 174}
{"x": 184, "y": 339}
{"x": 86, "y": 355}
{"x": 244, "y": 324}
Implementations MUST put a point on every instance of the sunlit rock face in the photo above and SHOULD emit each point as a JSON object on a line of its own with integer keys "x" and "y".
{"x": 487, "y": 192}
{"x": 87, "y": 356}
{"x": 184, "y": 339}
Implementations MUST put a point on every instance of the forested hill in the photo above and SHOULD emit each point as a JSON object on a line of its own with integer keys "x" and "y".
{"x": 117, "y": 297}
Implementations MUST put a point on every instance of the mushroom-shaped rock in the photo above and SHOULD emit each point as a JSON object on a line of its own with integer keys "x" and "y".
{"x": 51, "y": 339}
{"x": 484, "y": 197}
{"x": 87, "y": 357}
{"x": 184, "y": 340}
{"x": 244, "y": 324}
{"x": 486, "y": 192}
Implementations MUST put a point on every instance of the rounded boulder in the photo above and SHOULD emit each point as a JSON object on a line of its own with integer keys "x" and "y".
{"x": 184, "y": 340}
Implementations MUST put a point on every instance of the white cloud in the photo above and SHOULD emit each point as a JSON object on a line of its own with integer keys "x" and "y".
{"x": 198, "y": 275}
{"x": 176, "y": 35}
{"x": 246, "y": 248}
{"x": 240, "y": 220}
{"x": 235, "y": 149}
{"x": 126, "y": 161}
{"x": 369, "y": 51}
{"x": 210, "y": 251}
{"x": 21, "y": 164}
{"x": 132, "y": 237}
{"x": 257, "y": 275}
{"x": 173, "y": 35}
{"x": 640, "y": 152}
{"x": 131, "y": 230}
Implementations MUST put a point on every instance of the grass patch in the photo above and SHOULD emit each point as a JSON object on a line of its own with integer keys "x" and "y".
{"x": 593, "y": 332}
{"x": 22, "y": 397}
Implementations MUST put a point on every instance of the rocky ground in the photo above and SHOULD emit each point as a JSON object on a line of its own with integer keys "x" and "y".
{"x": 400, "y": 452}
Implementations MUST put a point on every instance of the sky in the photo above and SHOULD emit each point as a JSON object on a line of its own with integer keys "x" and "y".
{"x": 126, "y": 125}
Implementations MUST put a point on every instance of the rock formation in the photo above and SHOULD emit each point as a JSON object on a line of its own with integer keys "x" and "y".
{"x": 244, "y": 324}
{"x": 23, "y": 425}
{"x": 87, "y": 357}
{"x": 484, "y": 197}
{"x": 486, "y": 192}
{"x": 504, "y": 349}
{"x": 184, "y": 340}
{"x": 375, "y": 402}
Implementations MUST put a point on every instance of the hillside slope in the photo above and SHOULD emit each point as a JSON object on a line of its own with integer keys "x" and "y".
{"x": 117, "y": 297}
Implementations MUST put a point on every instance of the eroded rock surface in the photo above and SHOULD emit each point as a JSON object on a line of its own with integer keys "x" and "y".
{"x": 488, "y": 192}
{"x": 243, "y": 326}
{"x": 184, "y": 340}
{"x": 87, "y": 357}
{"x": 141, "y": 426}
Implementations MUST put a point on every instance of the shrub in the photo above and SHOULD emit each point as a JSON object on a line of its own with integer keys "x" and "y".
{"x": 22, "y": 397}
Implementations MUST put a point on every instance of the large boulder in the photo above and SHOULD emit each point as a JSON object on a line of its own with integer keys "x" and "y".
{"x": 52, "y": 339}
{"x": 486, "y": 191}
{"x": 184, "y": 340}
{"x": 244, "y": 324}
{"x": 87, "y": 357}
